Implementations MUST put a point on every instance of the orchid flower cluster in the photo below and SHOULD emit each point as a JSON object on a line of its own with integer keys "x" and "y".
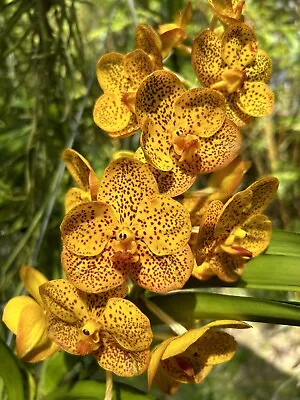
{"x": 137, "y": 225}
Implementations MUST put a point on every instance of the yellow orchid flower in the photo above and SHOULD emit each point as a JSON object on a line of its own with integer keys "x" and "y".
{"x": 189, "y": 358}
{"x": 131, "y": 230}
{"x": 173, "y": 34}
{"x": 25, "y": 317}
{"x": 119, "y": 76}
{"x": 111, "y": 328}
{"x": 184, "y": 130}
{"x": 232, "y": 233}
{"x": 84, "y": 176}
{"x": 227, "y": 11}
{"x": 234, "y": 65}
{"x": 220, "y": 186}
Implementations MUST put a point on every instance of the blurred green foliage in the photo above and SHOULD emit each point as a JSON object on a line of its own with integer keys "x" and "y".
{"x": 49, "y": 50}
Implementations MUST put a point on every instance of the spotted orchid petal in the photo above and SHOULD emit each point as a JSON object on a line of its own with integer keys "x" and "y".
{"x": 156, "y": 96}
{"x": 259, "y": 231}
{"x": 132, "y": 330}
{"x": 137, "y": 65}
{"x": 156, "y": 144}
{"x": 226, "y": 267}
{"x": 94, "y": 274}
{"x": 256, "y": 99}
{"x": 87, "y": 228}
{"x": 189, "y": 357}
{"x": 125, "y": 183}
{"x": 184, "y": 341}
{"x": 62, "y": 299}
{"x": 160, "y": 274}
{"x": 148, "y": 40}
{"x": 78, "y": 167}
{"x": 235, "y": 212}
{"x": 260, "y": 69}
{"x": 263, "y": 192}
{"x": 170, "y": 183}
{"x": 206, "y": 238}
{"x": 74, "y": 197}
{"x": 216, "y": 151}
{"x": 186, "y": 370}
{"x": 122, "y": 362}
{"x": 200, "y": 111}
{"x": 112, "y": 115}
{"x": 164, "y": 225}
{"x": 111, "y": 73}
{"x": 165, "y": 382}
{"x": 233, "y": 111}
{"x": 32, "y": 280}
{"x": 239, "y": 46}
{"x": 206, "y": 57}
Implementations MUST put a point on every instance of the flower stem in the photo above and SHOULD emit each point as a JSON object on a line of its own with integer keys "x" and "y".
{"x": 213, "y": 23}
{"x": 109, "y": 386}
{"x": 174, "y": 325}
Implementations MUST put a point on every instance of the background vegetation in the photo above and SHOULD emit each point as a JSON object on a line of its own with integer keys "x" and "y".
{"x": 49, "y": 50}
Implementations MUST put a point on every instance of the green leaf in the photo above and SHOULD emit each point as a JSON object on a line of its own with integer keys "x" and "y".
{"x": 53, "y": 371}
{"x": 284, "y": 243}
{"x": 11, "y": 373}
{"x": 92, "y": 390}
{"x": 188, "y": 306}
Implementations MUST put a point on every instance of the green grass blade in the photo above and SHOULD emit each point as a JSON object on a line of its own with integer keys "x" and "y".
{"x": 192, "y": 305}
{"x": 11, "y": 373}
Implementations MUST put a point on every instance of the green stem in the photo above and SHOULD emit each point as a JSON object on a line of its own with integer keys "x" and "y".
{"x": 109, "y": 386}
{"x": 174, "y": 325}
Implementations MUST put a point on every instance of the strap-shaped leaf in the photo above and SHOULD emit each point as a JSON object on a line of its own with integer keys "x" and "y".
{"x": 11, "y": 374}
{"x": 186, "y": 306}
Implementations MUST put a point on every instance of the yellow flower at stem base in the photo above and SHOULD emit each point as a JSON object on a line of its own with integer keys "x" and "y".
{"x": 231, "y": 234}
{"x": 111, "y": 328}
{"x": 25, "y": 316}
{"x": 233, "y": 65}
{"x": 131, "y": 230}
{"x": 189, "y": 358}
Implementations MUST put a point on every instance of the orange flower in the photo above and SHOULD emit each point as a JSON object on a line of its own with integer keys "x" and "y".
{"x": 234, "y": 65}
{"x": 130, "y": 230}
{"x": 111, "y": 328}
{"x": 232, "y": 233}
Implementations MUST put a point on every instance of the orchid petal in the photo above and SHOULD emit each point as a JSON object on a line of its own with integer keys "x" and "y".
{"x": 206, "y": 57}
{"x": 87, "y": 228}
{"x": 78, "y": 167}
{"x": 111, "y": 75}
{"x": 200, "y": 111}
{"x": 137, "y": 65}
{"x": 263, "y": 192}
{"x": 94, "y": 274}
{"x": 13, "y": 309}
{"x": 260, "y": 69}
{"x": 160, "y": 274}
{"x": 156, "y": 96}
{"x": 74, "y": 197}
{"x": 125, "y": 183}
{"x": 126, "y": 324}
{"x": 122, "y": 362}
{"x": 111, "y": 114}
{"x": 32, "y": 280}
{"x": 256, "y": 99}
{"x": 259, "y": 231}
{"x": 239, "y": 46}
{"x": 64, "y": 300}
{"x": 32, "y": 325}
{"x": 148, "y": 40}
{"x": 164, "y": 225}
